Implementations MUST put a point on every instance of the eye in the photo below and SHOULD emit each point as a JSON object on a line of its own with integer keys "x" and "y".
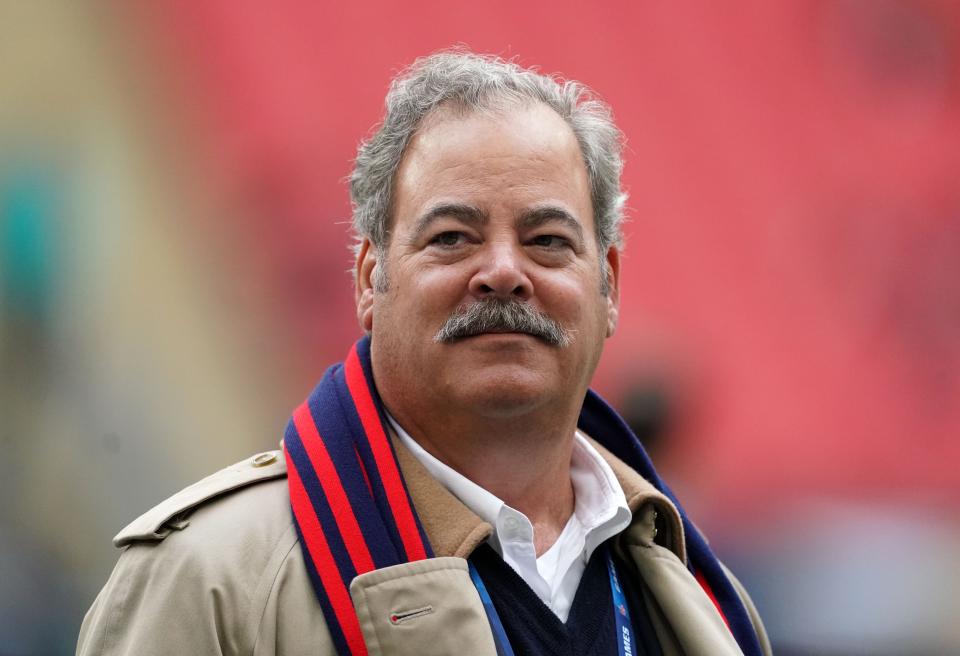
{"x": 448, "y": 239}
{"x": 552, "y": 242}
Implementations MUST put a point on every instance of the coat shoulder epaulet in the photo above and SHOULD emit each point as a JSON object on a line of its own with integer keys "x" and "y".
{"x": 172, "y": 514}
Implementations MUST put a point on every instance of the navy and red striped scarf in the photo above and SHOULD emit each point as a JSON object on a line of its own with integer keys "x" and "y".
{"x": 353, "y": 512}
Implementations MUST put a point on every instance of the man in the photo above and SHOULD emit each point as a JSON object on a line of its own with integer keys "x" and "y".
{"x": 448, "y": 496}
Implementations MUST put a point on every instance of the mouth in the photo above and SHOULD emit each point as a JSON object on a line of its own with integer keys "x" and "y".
{"x": 500, "y": 340}
{"x": 519, "y": 333}
{"x": 497, "y": 333}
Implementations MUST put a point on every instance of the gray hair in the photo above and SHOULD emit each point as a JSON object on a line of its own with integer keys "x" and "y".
{"x": 479, "y": 82}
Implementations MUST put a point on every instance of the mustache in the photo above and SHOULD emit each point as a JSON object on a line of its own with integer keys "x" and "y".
{"x": 502, "y": 315}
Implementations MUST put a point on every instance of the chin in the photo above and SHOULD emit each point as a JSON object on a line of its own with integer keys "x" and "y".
{"x": 504, "y": 395}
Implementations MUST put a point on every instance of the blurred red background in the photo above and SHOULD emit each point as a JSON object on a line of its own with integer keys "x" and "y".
{"x": 793, "y": 263}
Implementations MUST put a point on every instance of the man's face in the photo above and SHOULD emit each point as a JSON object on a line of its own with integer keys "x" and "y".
{"x": 488, "y": 205}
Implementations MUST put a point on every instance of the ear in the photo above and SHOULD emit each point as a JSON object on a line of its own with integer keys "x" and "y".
{"x": 613, "y": 284}
{"x": 363, "y": 278}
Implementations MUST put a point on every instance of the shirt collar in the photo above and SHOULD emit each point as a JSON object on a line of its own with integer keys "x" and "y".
{"x": 487, "y": 506}
{"x": 600, "y": 504}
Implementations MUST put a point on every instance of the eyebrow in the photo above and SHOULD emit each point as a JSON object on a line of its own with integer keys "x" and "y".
{"x": 460, "y": 211}
{"x": 475, "y": 216}
{"x": 549, "y": 214}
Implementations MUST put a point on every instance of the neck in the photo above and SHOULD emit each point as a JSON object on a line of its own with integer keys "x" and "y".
{"x": 524, "y": 462}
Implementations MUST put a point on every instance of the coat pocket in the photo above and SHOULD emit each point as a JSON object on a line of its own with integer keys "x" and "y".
{"x": 424, "y": 608}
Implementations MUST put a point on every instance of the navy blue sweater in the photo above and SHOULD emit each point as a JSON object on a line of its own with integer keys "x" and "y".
{"x": 590, "y": 630}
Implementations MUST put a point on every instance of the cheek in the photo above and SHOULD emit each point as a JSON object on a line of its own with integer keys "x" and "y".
{"x": 415, "y": 307}
{"x": 437, "y": 289}
{"x": 575, "y": 299}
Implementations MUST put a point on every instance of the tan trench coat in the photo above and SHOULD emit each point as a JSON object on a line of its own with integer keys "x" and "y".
{"x": 217, "y": 569}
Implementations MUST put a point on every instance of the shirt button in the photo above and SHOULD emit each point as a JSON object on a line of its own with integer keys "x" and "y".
{"x": 512, "y": 529}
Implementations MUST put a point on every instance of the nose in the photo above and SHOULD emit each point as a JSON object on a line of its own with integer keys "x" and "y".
{"x": 502, "y": 272}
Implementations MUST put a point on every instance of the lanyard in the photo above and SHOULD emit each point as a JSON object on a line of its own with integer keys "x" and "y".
{"x": 626, "y": 643}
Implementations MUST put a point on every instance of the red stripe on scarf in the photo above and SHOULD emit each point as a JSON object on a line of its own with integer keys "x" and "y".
{"x": 363, "y": 470}
{"x": 383, "y": 456}
{"x": 706, "y": 588}
{"x": 324, "y": 563}
{"x": 333, "y": 488}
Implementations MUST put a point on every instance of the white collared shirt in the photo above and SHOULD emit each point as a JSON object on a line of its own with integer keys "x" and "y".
{"x": 600, "y": 512}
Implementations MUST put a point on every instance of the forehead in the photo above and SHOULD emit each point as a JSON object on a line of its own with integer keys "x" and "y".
{"x": 503, "y": 158}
